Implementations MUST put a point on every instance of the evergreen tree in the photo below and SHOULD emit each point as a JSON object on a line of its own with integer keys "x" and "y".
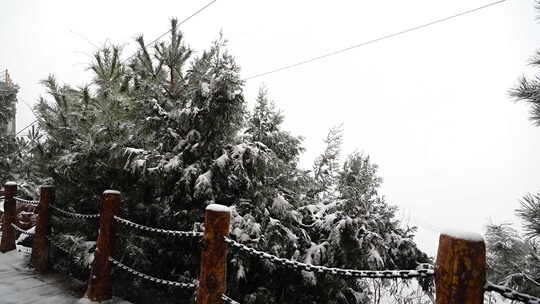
{"x": 7, "y": 109}
{"x": 358, "y": 230}
{"x": 513, "y": 259}
{"x": 15, "y": 152}
{"x": 530, "y": 214}
{"x": 264, "y": 125}
{"x": 527, "y": 91}
{"x": 326, "y": 166}
{"x": 8, "y": 144}
{"x": 171, "y": 131}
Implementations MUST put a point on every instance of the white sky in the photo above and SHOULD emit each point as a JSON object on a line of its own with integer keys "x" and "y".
{"x": 430, "y": 107}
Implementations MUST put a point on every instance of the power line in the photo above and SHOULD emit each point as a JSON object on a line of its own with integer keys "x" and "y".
{"x": 376, "y": 40}
{"x": 21, "y": 130}
{"x": 85, "y": 39}
{"x": 28, "y": 126}
{"x": 181, "y": 22}
{"x": 153, "y": 41}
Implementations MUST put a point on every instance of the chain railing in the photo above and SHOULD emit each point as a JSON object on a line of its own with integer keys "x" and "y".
{"x": 64, "y": 249}
{"x": 25, "y": 250}
{"x": 74, "y": 214}
{"x": 151, "y": 278}
{"x": 351, "y": 273}
{"x": 181, "y": 234}
{"x": 511, "y": 294}
{"x": 228, "y": 300}
{"x": 19, "y": 229}
{"x": 26, "y": 202}
{"x": 212, "y": 269}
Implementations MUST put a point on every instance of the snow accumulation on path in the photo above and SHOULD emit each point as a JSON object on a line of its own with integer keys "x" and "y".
{"x": 21, "y": 285}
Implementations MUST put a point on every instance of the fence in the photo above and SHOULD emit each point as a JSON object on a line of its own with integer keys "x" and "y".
{"x": 460, "y": 270}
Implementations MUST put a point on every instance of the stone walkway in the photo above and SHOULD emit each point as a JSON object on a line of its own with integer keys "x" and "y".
{"x": 21, "y": 285}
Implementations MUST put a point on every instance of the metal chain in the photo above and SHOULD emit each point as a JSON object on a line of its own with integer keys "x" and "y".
{"x": 27, "y": 250}
{"x": 21, "y": 230}
{"x": 352, "y": 273}
{"x": 228, "y": 300}
{"x": 62, "y": 248}
{"x": 511, "y": 294}
{"x": 73, "y": 214}
{"x": 151, "y": 278}
{"x": 183, "y": 234}
{"x": 26, "y": 202}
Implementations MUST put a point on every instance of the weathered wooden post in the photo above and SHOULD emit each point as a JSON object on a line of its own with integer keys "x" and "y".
{"x": 213, "y": 275}
{"x": 100, "y": 282}
{"x": 460, "y": 271}
{"x": 40, "y": 247}
{"x": 7, "y": 243}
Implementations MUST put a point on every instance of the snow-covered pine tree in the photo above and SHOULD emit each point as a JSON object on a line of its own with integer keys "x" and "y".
{"x": 327, "y": 165}
{"x": 359, "y": 230}
{"x": 8, "y": 157}
{"x": 513, "y": 260}
{"x": 530, "y": 214}
{"x": 15, "y": 164}
{"x": 7, "y": 142}
{"x": 170, "y": 130}
{"x": 6, "y": 112}
{"x": 264, "y": 125}
{"x": 164, "y": 130}
{"x": 528, "y": 91}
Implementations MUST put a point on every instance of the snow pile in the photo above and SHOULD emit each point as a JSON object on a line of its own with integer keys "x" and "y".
{"x": 218, "y": 208}
{"x": 113, "y": 192}
{"x": 464, "y": 235}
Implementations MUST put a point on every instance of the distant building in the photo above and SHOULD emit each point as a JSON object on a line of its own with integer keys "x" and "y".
{"x": 8, "y": 94}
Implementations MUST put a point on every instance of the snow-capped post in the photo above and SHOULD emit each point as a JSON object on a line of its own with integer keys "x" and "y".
{"x": 213, "y": 275}
{"x": 7, "y": 242}
{"x": 100, "y": 282}
{"x": 460, "y": 271}
{"x": 40, "y": 247}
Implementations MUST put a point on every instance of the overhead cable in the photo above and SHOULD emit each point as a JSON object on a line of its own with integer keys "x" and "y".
{"x": 181, "y": 22}
{"x": 414, "y": 28}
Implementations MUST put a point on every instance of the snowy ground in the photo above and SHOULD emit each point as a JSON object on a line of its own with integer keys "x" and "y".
{"x": 19, "y": 284}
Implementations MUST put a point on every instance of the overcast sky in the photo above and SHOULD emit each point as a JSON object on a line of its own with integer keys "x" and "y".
{"x": 430, "y": 107}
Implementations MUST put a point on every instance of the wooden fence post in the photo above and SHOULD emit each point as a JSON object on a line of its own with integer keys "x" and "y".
{"x": 40, "y": 247}
{"x": 460, "y": 271}
{"x": 213, "y": 275}
{"x": 7, "y": 243}
{"x": 100, "y": 282}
